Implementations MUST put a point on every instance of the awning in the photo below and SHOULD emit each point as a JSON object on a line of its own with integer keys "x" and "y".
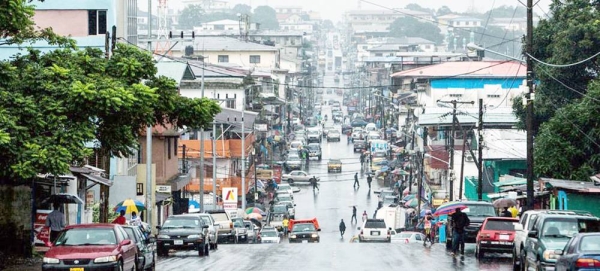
{"x": 97, "y": 179}
{"x": 181, "y": 181}
{"x": 160, "y": 197}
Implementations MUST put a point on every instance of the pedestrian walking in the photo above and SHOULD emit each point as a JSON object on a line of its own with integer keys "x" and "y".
{"x": 356, "y": 184}
{"x": 135, "y": 220}
{"x": 353, "y": 215}
{"x": 369, "y": 180}
{"x": 427, "y": 227}
{"x": 285, "y": 223}
{"x": 342, "y": 228}
{"x": 365, "y": 216}
{"x": 313, "y": 182}
{"x": 121, "y": 220}
{"x": 459, "y": 221}
{"x": 362, "y": 160}
{"x": 55, "y": 221}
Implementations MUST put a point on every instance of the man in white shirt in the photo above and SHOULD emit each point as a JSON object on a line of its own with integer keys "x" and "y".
{"x": 56, "y": 222}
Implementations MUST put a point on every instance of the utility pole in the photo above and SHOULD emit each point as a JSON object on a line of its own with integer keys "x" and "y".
{"x": 480, "y": 150}
{"x": 149, "y": 203}
{"x": 202, "y": 146}
{"x": 462, "y": 166}
{"x": 383, "y": 116}
{"x": 243, "y": 156}
{"x": 412, "y": 148}
{"x": 214, "y": 160}
{"x": 529, "y": 99}
{"x": 451, "y": 164}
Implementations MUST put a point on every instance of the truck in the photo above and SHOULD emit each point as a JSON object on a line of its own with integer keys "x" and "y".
{"x": 379, "y": 145}
{"x": 394, "y": 216}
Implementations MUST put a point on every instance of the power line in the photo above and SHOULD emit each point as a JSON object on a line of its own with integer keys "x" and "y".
{"x": 562, "y": 65}
{"x": 568, "y": 87}
{"x": 488, "y": 20}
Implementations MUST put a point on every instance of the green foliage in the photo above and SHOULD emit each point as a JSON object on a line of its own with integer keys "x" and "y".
{"x": 55, "y": 102}
{"x": 241, "y": 9}
{"x": 567, "y": 145}
{"x": 191, "y": 15}
{"x": 570, "y": 35}
{"x": 506, "y": 12}
{"x": 411, "y": 27}
{"x": 96, "y": 213}
{"x": 444, "y": 10}
{"x": 417, "y": 7}
{"x": 266, "y": 17}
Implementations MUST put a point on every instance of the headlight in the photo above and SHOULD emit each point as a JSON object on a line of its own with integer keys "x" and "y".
{"x": 293, "y": 236}
{"x": 106, "y": 259}
{"x": 163, "y": 236}
{"x": 314, "y": 235}
{"x": 51, "y": 260}
{"x": 550, "y": 254}
{"x": 194, "y": 236}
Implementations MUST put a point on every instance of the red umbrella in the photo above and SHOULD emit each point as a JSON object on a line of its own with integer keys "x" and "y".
{"x": 449, "y": 208}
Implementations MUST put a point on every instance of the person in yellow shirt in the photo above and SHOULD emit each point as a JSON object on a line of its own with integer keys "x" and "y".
{"x": 514, "y": 211}
{"x": 285, "y": 224}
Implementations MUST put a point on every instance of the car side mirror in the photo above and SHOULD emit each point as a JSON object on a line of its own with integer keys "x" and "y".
{"x": 158, "y": 227}
{"x": 205, "y": 227}
{"x": 558, "y": 252}
{"x": 518, "y": 227}
{"x": 532, "y": 234}
{"x": 125, "y": 242}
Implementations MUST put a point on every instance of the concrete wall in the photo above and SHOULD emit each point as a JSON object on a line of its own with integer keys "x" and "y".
{"x": 15, "y": 221}
{"x": 166, "y": 168}
{"x": 492, "y": 91}
{"x": 268, "y": 59}
{"x": 74, "y": 23}
{"x": 123, "y": 188}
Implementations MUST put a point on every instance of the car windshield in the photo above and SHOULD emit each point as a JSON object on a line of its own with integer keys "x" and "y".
{"x": 248, "y": 225}
{"x": 220, "y": 216}
{"x": 480, "y": 210}
{"x": 182, "y": 222}
{"x": 379, "y": 154}
{"x": 500, "y": 225}
{"x": 87, "y": 237}
{"x": 403, "y": 235}
{"x": 304, "y": 227}
{"x": 284, "y": 198}
{"x": 332, "y": 161}
{"x": 313, "y": 147}
{"x": 279, "y": 208}
{"x": 269, "y": 234}
{"x": 293, "y": 158}
{"x": 313, "y": 132}
{"x": 238, "y": 223}
{"x": 334, "y": 132}
{"x": 206, "y": 220}
{"x": 284, "y": 187}
{"x": 277, "y": 217}
{"x": 375, "y": 224}
{"x": 568, "y": 227}
{"x": 590, "y": 243}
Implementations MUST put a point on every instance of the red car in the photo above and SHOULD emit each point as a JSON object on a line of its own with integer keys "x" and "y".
{"x": 90, "y": 247}
{"x": 496, "y": 235}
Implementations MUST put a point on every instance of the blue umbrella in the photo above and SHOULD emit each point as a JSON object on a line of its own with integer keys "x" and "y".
{"x": 424, "y": 212}
{"x": 384, "y": 168}
{"x": 409, "y": 197}
{"x": 194, "y": 204}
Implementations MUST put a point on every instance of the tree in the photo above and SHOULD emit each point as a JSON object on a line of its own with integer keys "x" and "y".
{"x": 266, "y": 17}
{"x": 217, "y": 16}
{"x": 191, "y": 15}
{"x": 417, "y": 7}
{"x": 569, "y": 36}
{"x": 411, "y": 27}
{"x": 566, "y": 146}
{"x": 506, "y": 12}
{"x": 444, "y": 10}
{"x": 241, "y": 9}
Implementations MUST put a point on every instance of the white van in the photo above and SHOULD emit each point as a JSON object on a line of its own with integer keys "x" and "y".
{"x": 371, "y": 127}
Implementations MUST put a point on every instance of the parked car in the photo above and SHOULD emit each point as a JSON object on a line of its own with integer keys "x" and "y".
{"x": 477, "y": 212}
{"x": 334, "y": 165}
{"x": 91, "y": 247}
{"x": 527, "y": 221}
{"x": 285, "y": 187}
{"x": 241, "y": 232}
{"x": 269, "y": 235}
{"x": 407, "y": 237}
{"x": 374, "y": 230}
{"x": 275, "y": 219}
{"x": 225, "y": 231}
{"x": 146, "y": 259}
{"x": 297, "y": 176}
{"x": 550, "y": 233}
{"x": 291, "y": 208}
{"x": 252, "y": 231}
{"x": 334, "y": 135}
{"x": 183, "y": 232}
{"x": 212, "y": 230}
{"x": 327, "y": 128}
{"x": 582, "y": 252}
{"x": 346, "y": 128}
{"x": 497, "y": 234}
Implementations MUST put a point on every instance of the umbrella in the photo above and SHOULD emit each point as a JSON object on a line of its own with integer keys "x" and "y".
{"x": 256, "y": 222}
{"x": 449, "y": 208}
{"x": 424, "y": 212}
{"x": 505, "y": 202}
{"x": 412, "y": 202}
{"x": 194, "y": 204}
{"x": 405, "y": 192}
{"x": 130, "y": 205}
{"x": 408, "y": 197}
{"x": 255, "y": 210}
{"x": 399, "y": 171}
{"x": 255, "y": 216}
{"x": 63, "y": 198}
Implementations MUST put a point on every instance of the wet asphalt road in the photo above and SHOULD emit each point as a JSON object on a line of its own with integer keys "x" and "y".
{"x": 332, "y": 203}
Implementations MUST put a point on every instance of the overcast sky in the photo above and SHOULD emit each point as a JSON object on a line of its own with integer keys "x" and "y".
{"x": 333, "y": 9}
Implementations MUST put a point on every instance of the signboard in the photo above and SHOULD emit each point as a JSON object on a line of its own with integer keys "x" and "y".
{"x": 230, "y": 198}
{"x": 163, "y": 188}
{"x": 277, "y": 174}
{"x": 89, "y": 198}
{"x": 260, "y": 127}
{"x": 41, "y": 232}
{"x": 264, "y": 174}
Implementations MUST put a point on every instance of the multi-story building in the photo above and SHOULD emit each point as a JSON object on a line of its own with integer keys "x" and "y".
{"x": 210, "y": 6}
{"x": 288, "y": 10}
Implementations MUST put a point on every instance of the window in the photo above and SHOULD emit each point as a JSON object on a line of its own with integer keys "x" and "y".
{"x": 175, "y": 146}
{"x": 223, "y": 59}
{"x": 169, "y": 147}
{"x": 97, "y": 22}
{"x": 219, "y": 27}
{"x": 139, "y": 189}
{"x": 255, "y": 59}
{"x": 455, "y": 95}
{"x": 493, "y": 96}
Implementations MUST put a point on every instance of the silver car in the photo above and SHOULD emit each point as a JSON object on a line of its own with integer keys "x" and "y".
{"x": 333, "y": 135}
{"x": 297, "y": 176}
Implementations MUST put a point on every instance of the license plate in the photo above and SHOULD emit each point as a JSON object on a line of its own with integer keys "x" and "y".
{"x": 376, "y": 233}
{"x": 304, "y": 241}
{"x": 76, "y": 269}
{"x": 504, "y": 237}
{"x": 178, "y": 242}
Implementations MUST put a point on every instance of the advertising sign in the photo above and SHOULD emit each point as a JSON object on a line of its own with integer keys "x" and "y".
{"x": 41, "y": 232}
{"x": 230, "y": 198}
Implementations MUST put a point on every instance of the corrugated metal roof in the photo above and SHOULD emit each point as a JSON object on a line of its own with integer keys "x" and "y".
{"x": 226, "y": 44}
{"x": 582, "y": 187}
{"x": 504, "y": 144}
{"x": 175, "y": 70}
{"x": 442, "y": 116}
{"x": 467, "y": 69}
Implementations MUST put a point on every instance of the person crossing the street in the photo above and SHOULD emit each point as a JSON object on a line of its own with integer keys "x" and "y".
{"x": 313, "y": 182}
{"x": 356, "y": 184}
{"x": 365, "y": 216}
{"x": 353, "y": 215}
{"x": 342, "y": 228}
{"x": 369, "y": 180}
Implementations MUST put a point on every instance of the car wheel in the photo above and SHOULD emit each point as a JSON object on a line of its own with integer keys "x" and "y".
{"x": 515, "y": 260}
{"x": 291, "y": 181}
{"x": 522, "y": 261}
{"x": 479, "y": 253}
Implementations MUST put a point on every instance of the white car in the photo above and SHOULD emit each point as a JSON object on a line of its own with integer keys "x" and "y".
{"x": 297, "y": 176}
{"x": 269, "y": 235}
{"x": 285, "y": 193}
{"x": 333, "y": 135}
{"x": 285, "y": 187}
{"x": 374, "y": 230}
{"x": 408, "y": 237}
{"x": 296, "y": 145}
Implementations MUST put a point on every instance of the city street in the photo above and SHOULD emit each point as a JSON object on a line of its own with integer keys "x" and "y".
{"x": 334, "y": 202}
